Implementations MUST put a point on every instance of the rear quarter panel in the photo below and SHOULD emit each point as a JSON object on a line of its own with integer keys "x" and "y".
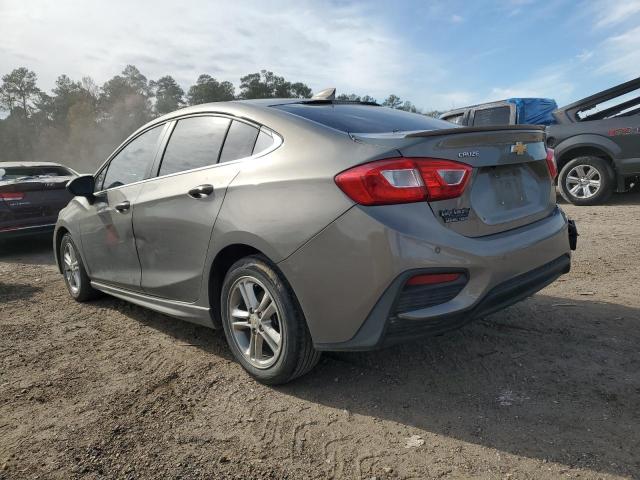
{"x": 281, "y": 200}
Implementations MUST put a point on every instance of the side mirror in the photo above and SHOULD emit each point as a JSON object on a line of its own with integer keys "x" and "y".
{"x": 82, "y": 186}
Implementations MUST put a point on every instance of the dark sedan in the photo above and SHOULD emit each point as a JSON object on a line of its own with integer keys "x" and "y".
{"x": 31, "y": 195}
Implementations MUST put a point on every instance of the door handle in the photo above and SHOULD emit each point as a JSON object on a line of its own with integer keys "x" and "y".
{"x": 123, "y": 207}
{"x": 201, "y": 191}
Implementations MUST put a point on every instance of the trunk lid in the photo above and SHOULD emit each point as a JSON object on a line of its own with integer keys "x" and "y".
{"x": 510, "y": 184}
{"x": 32, "y": 202}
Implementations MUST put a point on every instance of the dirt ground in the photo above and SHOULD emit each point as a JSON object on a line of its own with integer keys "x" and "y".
{"x": 549, "y": 388}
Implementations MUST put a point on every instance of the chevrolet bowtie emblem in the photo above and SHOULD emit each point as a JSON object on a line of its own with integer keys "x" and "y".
{"x": 519, "y": 148}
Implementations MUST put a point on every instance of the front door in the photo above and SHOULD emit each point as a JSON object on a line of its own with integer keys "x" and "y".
{"x": 106, "y": 229}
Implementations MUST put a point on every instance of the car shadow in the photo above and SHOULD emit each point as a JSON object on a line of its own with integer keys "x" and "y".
{"x": 14, "y": 291}
{"x": 32, "y": 250}
{"x": 550, "y": 378}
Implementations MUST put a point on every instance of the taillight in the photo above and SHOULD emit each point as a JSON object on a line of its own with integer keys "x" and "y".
{"x": 404, "y": 180}
{"x": 11, "y": 196}
{"x": 551, "y": 163}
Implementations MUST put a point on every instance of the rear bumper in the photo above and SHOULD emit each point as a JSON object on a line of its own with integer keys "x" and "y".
{"x": 398, "y": 328}
{"x": 26, "y": 231}
{"x": 348, "y": 278}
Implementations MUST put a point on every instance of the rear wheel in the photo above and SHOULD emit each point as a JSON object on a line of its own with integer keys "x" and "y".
{"x": 75, "y": 275}
{"x": 264, "y": 325}
{"x": 586, "y": 181}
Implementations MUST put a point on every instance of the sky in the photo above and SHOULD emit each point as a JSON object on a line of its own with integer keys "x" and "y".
{"x": 437, "y": 54}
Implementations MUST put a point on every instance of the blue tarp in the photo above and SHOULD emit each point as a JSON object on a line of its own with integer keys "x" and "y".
{"x": 534, "y": 111}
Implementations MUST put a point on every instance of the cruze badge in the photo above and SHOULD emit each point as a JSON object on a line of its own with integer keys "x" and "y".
{"x": 519, "y": 148}
{"x": 474, "y": 153}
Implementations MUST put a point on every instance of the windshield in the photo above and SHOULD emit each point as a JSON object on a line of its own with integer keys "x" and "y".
{"x": 358, "y": 118}
{"x": 16, "y": 173}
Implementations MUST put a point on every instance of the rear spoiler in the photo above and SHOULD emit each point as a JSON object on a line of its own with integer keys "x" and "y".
{"x": 492, "y": 128}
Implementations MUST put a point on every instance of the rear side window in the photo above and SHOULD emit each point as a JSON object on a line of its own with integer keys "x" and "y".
{"x": 263, "y": 142}
{"x": 355, "y": 118}
{"x": 239, "y": 142}
{"x": 492, "y": 116}
{"x": 133, "y": 162}
{"x": 194, "y": 143}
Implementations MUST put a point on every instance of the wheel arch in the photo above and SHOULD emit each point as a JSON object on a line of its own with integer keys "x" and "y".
{"x": 57, "y": 241}
{"x": 221, "y": 264}
{"x": 586, "y": 146}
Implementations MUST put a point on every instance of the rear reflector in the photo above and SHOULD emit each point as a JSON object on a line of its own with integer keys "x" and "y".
{"x": 11, "y": 195}
{"x": 404, "y": 180}
{"x": 551, "y": 163}
{"x": 433, "y": 278}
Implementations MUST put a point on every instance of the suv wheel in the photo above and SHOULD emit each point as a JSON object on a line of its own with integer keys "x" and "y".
{"x": 75, "y": 275}
{"x": 264, "y": 325}
{"x": 586, "y": 181}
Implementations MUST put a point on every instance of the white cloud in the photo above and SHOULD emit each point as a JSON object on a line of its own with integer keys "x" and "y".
{"x": 611, "y": 13}
{"x": 342, "y": 46}
{"x": 551, "y": 82}
{"x": 457, "y": 18}
{"x": 621, "y": 54}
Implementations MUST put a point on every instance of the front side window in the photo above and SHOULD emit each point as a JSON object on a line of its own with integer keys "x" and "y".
{"x": 239, "y": 142}
{"x": 194, "y": 143}
{"x": 492, "y": 116}
{"x": 132, "y": 163}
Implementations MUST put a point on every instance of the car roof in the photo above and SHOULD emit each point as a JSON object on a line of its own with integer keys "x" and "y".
{"x": 30, "y": 164}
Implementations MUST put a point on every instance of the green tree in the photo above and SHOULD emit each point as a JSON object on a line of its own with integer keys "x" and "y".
{"x": 433, "y": 113}
{"x": 343, "y": 97}
{"x": 352, "y": 97}
{"x": 266, "y": 84}
{"x": 124, "y": 104}
{"x": 169, "y": 95}
{"x": 392, "y": 101}
{"x": 208, "y": 89}
{"x": 19, "y": 90}
{"x": 407, "y": 106}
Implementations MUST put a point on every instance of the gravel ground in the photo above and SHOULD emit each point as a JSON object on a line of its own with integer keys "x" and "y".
{"x": 549, "y": 388}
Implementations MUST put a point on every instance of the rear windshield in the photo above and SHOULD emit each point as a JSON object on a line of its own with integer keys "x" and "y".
{"x": 492, "y": 116}
{"x": 356, "y": 118}
{"x": 13, "y": 173}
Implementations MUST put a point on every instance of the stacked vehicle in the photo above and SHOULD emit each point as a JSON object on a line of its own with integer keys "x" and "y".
{"x": 596, "y": 139}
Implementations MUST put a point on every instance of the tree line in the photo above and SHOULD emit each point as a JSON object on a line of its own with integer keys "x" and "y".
{"x": 79, "y": 122}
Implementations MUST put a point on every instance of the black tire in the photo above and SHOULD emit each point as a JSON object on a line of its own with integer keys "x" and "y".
{"x": 296, "y": 354}
{"x": 84, "y": 291}
{"x": 605, "y": 174}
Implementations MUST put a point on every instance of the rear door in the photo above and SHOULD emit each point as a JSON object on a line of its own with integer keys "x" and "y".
{"x": 106, "y": 227}
{"x": 174, "y": 214}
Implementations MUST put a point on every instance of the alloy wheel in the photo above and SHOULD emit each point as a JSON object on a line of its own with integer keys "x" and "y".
{"x": 255, "y": 322}
{"x": 583, "y": 181}
{"x": 71, "y": 268}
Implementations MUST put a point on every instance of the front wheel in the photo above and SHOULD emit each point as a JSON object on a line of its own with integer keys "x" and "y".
{"x": 75, "y": 275}
{"x": 586, "y": 181}
{"x": 264, "y": 326}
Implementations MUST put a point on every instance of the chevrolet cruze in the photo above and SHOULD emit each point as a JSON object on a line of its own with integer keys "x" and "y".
{"x": 305, "y": 225}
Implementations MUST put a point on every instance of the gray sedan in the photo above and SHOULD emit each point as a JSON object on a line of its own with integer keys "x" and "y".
{"x": 300, "y": 225}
